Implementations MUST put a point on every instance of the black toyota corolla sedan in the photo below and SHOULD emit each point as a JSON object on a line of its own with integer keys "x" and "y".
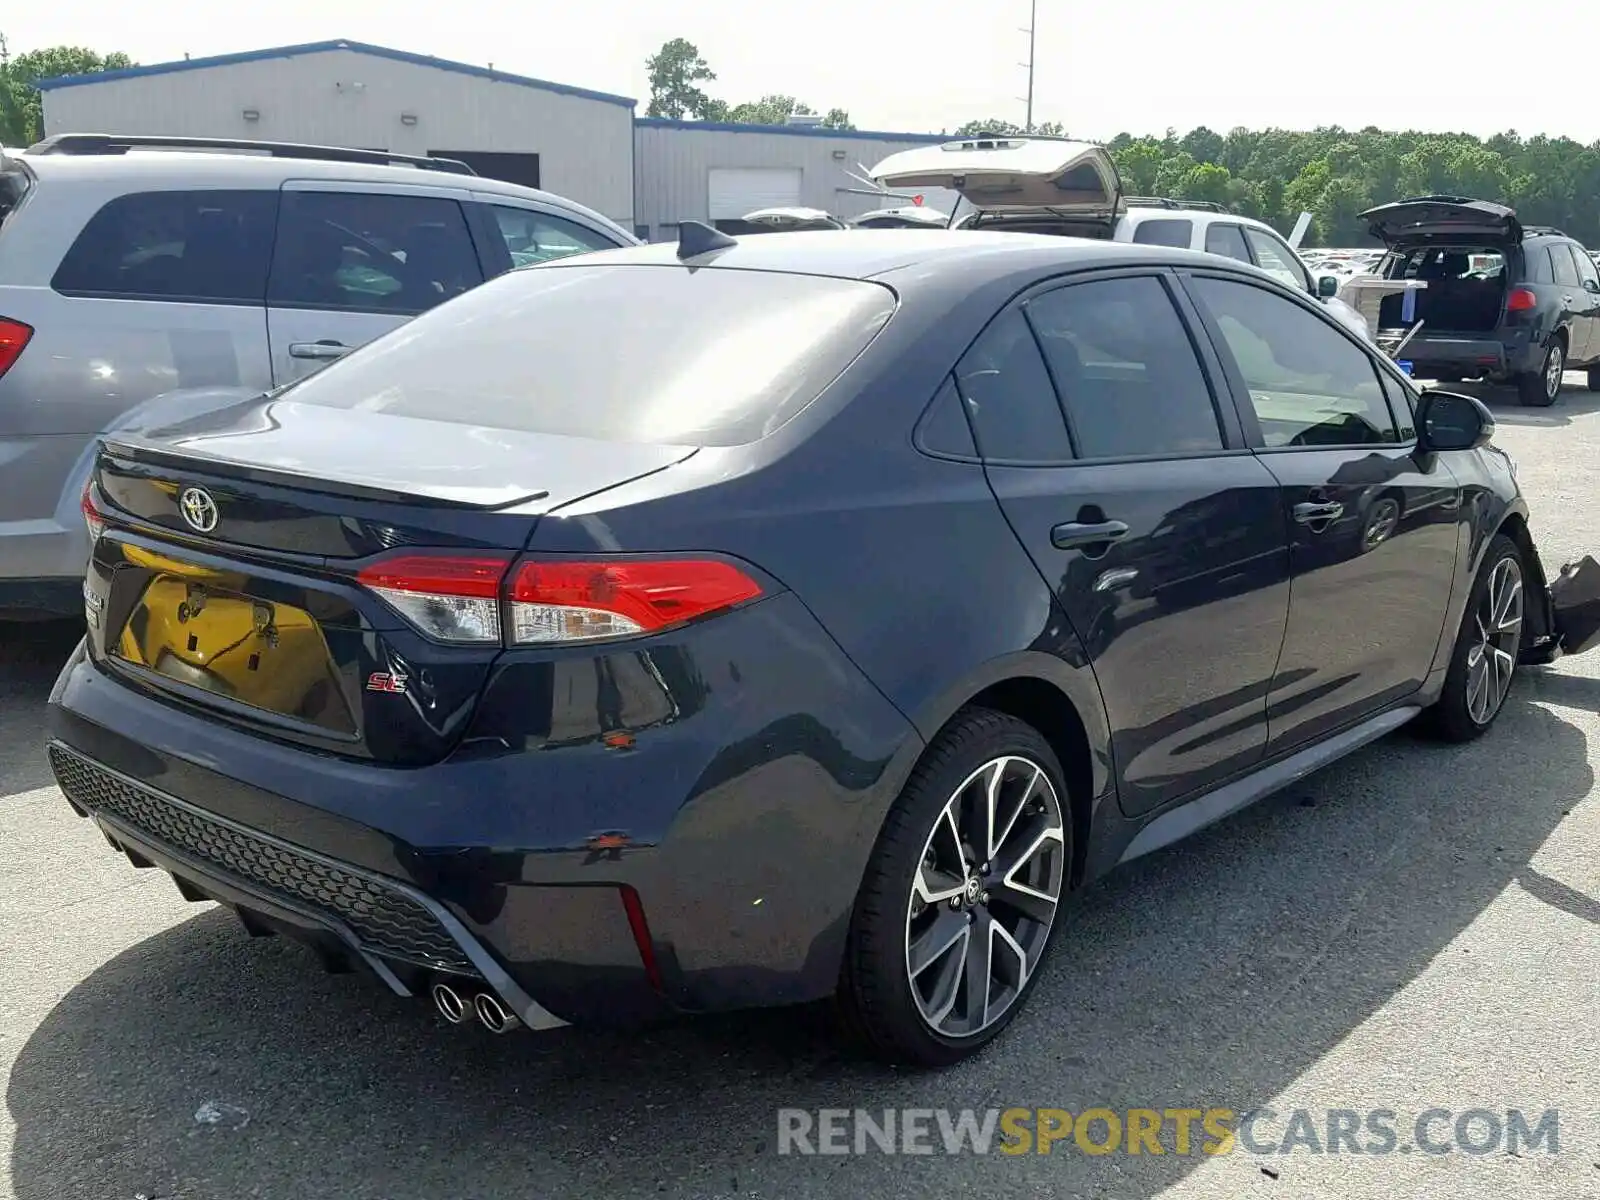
{"x": 744, "y": 623}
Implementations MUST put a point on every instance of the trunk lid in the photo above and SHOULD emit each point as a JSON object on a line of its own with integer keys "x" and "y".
{"x": 1443, "y": 218}
{"x": 1013, "y": 175}
{"x": 227, "y": 575}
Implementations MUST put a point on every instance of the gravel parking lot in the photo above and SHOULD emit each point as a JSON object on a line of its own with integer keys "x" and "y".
{"x": 1415, "y": 928}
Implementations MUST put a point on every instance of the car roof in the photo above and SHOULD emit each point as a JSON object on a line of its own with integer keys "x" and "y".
{"x": 938, "y": 255}
{"x": 221, "y": 168}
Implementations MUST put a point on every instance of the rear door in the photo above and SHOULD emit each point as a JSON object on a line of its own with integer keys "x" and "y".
{"x": 1373, "y": 525}
{"x": 1160, "y": 533}
{"x": 353, "y": 261}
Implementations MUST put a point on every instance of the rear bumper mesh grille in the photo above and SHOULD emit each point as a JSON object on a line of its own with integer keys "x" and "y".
{"x": 384, "y": 919}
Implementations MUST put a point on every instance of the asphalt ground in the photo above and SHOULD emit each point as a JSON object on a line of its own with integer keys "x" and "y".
{"x": 1416, "y": 928}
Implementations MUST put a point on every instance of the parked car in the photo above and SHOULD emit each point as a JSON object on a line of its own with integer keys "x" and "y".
{"x": 1048, "y": 185}
{"x": 755, "y": 666}
{"x": 1503, "y": 302}
{"x": 906, "y": 216}
{"x": 203, "y": 263}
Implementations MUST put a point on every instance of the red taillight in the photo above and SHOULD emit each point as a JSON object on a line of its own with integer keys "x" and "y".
{"x": 14, "y": 337}
{"x": 555, "y": 602}
{"x": 451, "y": 598}
{"x": 1521, "y": 300}
{"x": 91, "y": 514}
{"x": 456, "y": 598}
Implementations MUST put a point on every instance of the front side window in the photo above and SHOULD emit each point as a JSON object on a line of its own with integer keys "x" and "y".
{"x": 1008, "y": 394}
{"x": 1275, "y": 258}
{"x": 1227, "y": 240}
{"x": 1164, "y": 232}
{"x": 535, "y": 237}
{"x": 201, "y": 246}
{"x": 370, "y": 252}
{"x": 1309, "y": 384}
{"x": 1126, "y": 369}
{"x": 1586, "y": 268}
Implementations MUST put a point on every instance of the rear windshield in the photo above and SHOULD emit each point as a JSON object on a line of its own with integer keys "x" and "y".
{"x": 1444, "y": 262}
{"x": 624, "y": 353}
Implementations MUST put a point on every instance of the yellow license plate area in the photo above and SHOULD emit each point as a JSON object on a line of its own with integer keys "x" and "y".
{"x": 192, "y": 629}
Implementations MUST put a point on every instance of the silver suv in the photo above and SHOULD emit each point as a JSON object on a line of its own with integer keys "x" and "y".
{"x": 213, "y": 264}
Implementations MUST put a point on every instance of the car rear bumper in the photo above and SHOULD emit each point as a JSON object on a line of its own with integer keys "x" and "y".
{"x": 1442, "y": 353}
{"x": 738, "y": 830}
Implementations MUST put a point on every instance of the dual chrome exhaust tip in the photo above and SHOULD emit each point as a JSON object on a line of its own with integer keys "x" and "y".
{"x": 491, "y": 1012}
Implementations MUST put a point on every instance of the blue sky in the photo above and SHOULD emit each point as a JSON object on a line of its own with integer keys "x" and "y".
{"x": 931, "y": 64}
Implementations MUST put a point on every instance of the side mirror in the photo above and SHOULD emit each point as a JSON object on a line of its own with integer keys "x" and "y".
{"x": 1451, "y": 421}
{"x": 1591, "y": 285}
{"x": 1327, "y": 287}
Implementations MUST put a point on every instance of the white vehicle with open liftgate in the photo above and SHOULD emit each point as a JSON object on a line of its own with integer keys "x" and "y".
{"x": 1049, "y": 185}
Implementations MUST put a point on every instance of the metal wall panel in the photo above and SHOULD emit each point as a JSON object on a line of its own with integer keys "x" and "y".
{"x": 674, "y": 161}
{"x": 348, "y": 98}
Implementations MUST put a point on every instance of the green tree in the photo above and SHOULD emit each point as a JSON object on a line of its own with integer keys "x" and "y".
{"x": 21, "y": 109}
{"x": 676, "y": 71}
{"x": 1009, "y": 128}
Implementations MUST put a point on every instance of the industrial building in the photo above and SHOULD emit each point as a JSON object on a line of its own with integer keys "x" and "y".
{"x": 645, "y": 174}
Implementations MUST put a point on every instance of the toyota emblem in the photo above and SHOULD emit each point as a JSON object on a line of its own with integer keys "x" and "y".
{"x": 199, "y": 509}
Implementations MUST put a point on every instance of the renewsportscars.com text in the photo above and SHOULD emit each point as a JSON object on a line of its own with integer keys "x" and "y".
{"x": 1178, "y": 1131}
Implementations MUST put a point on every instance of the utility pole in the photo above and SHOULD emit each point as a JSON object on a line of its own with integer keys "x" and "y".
{"x": 1033, "y": 21}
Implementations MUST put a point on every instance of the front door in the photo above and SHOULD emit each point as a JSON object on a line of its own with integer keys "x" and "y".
{"x": 1161, "y": 536}
{"x": 1372, "y": 524}
{"x": 352, "y": 263}
{"x": 1587, "y": 303}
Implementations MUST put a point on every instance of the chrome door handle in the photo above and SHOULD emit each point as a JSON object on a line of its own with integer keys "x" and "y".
{"x": 1313, "y": 514}
{"x": 1073, "y": 535}
{"x": 323, "y": 349}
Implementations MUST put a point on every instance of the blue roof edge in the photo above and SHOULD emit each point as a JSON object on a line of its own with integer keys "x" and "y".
{"x": 870, "y": 135}
{"x": 405, "y": 56}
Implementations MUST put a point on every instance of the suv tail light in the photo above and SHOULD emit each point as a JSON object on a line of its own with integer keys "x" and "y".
{"x": 459, "y": 599}
{"x": 14, "y": 337}
{"x": 1521, "y": 300}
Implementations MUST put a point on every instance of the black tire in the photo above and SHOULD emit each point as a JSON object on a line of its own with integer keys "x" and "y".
{"x": 1594, "y": 379}
{"x": 876, "y": 988}
{"x": 1455, "y": 717}
{"x": 1536, "y": 389}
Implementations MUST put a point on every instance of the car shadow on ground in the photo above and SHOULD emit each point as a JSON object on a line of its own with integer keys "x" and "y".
{"x": 1215, "y": 973}
{"x": 1575, "y": 401}
{"x": 31, "y": 656}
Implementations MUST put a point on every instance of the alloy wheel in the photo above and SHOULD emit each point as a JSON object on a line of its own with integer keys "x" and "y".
{"x": 1554, "y": 368}
{"x": 985, "y": 896}
{"x": 1492, "y": 658}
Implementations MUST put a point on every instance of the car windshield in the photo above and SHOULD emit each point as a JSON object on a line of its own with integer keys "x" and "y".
{"x": 628, "y": 353}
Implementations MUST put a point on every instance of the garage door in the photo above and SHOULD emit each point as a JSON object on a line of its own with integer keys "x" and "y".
{"x": 739, "y": 190}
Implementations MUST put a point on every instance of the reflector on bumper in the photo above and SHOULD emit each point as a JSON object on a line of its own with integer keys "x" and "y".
{"x": 1575, "y": 606}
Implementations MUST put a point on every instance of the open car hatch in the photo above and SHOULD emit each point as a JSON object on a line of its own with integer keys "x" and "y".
{"x": 997, "y": 174}
{"x": 1443, "y": 218}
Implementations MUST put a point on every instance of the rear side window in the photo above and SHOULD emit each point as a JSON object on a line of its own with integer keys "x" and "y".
{"x": 371, "y": 252}
{"x": 1538, "y": 263}
{"x": 1164, "y": 232}
{"x": 1126, "y": 369}
{"x": 653, "y": 354}
{"x": 1009, "y": 395}
{"x": 201, "y": 246}
{"x": 1566, "y": 267}
{"x": 1227, "y": 240}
